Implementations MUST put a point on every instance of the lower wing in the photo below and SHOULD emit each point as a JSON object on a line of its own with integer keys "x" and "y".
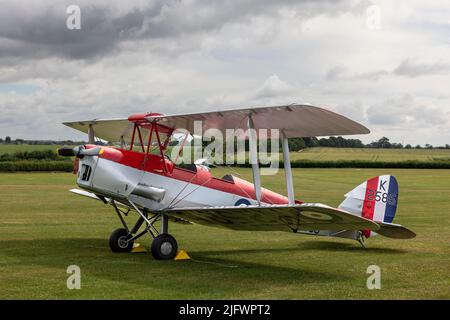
{"x": 307, "y": 216}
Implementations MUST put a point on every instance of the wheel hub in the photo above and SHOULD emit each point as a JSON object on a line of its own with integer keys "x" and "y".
{"x": 166, "y": 248}
{"x": 123, "y": 243}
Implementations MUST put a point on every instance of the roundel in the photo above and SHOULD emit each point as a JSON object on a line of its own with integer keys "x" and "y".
{"x": 317, "y": 215}
{"x": 242, "y": 202}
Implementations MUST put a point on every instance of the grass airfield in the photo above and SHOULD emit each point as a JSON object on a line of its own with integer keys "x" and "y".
{"x": 44, "y": 229}
{"x": 370, "y": 154}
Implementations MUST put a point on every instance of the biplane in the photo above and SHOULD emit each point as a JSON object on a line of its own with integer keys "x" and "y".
{"x": 137, "y": 175}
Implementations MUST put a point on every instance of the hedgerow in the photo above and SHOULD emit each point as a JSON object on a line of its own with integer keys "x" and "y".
{"x": 30, "y": 155}
{"x": 35, "y": 165}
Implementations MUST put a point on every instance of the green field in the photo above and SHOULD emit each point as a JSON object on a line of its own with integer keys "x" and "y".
{"x": 337, "y": 154}
{"x": 11, "y": 148}
{"x": 315, "y": 154}
{"x": 44, "y": 229}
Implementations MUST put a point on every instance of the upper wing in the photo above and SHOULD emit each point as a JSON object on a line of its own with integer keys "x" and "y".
{"x": 107, "y": 129}
{"x": 312, "y": 216}
{"x": 294, "y": 120}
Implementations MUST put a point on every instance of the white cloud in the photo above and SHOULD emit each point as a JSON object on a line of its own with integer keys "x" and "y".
{"x": 273, "y": 87}
{"x": 193, "y": 55}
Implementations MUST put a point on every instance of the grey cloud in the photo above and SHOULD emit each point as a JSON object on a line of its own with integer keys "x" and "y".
{"x": 44, "y": 33}
{"x": 177, "y": 56}
{"x": 343, "y": 73}
{"x": 412, "y": 68}
{"x": 41, "y": 32}
{"x": 336, "y": 73}
{"x": 407, "y": 68}
{"x": 355, "y": 110}
{"x": 408, "y": 112}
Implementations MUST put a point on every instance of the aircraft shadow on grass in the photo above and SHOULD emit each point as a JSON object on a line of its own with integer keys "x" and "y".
{"x": 93, "y": 255}
{"x": 346, "y": 247}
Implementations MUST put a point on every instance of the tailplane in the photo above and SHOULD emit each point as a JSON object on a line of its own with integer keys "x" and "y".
{"x": 375, "y": 199}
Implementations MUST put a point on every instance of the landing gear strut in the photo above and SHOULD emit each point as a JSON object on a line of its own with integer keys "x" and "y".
{"x": 360, "y": 239}
{"x": 163, "y": 247}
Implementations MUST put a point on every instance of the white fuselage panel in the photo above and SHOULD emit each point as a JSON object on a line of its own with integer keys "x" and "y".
{"x": 115, "y": 180}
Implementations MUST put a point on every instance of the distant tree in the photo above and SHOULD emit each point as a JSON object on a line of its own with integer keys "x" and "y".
{"x": 7, "y": 139}
{"x": 397, "y": 146}
{"x": 356, "y": 143}
{"x": 384, "y": 143}
{"x": 428, "y": 146}
{"x": 296, "y": 144}
{"x": 311, "y": 142}
{"x": 418, "y": 146}
{"x": 323, "y": 142}
{"x": 408, "y": 146}
{"x": 1, "y": 140}
{"x": 381, "y": 143}
{"x": 333, "y": 142}
{"x": 447, "y": 146}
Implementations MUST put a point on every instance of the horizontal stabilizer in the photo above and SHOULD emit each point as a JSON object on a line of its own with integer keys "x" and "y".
{"x": 395, "y": 231}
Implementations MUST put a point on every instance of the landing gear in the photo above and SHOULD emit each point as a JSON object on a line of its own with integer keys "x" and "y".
{"x": 119, "y": 241}
{"x": 163, "y": 247}
{"x": 360, "y": 239}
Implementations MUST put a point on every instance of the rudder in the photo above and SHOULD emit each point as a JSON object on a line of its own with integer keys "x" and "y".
{"x": 375, "y": 199}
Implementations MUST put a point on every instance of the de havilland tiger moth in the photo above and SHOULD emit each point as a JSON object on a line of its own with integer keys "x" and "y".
{"x": 135, "y": 178}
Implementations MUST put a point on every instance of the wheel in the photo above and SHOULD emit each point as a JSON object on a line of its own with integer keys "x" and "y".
{"x": 117, "y": 241}
{"x": 164, "y": 247}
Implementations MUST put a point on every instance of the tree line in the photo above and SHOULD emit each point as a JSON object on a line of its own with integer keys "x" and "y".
{"x": 9, "y": 140}
{"x": 295, "y": 144}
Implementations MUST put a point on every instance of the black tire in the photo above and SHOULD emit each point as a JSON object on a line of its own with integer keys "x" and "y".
{"x": 116, "y": 241}
{"x": 164, "y": 247}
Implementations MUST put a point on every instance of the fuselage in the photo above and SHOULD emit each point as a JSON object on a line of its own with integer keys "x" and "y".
{"x": 155, "y": 183}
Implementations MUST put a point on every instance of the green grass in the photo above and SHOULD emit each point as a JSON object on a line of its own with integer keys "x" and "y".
{"x": 336, "y": 154}
{"x": 11, "y": 148}
{"x": 44, "y": 229}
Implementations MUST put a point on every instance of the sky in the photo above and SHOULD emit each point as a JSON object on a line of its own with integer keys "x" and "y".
{"x": 385, "y": 64}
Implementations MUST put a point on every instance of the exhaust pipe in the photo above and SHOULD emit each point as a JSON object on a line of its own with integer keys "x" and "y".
{"x": 149, "y": 192}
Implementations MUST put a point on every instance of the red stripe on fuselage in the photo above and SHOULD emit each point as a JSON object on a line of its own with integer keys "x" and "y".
{"x": 202, "y": 177}
{"x": 369, "y": 202}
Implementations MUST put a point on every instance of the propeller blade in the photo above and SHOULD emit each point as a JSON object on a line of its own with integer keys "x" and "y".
{"x": 65, "y": 152}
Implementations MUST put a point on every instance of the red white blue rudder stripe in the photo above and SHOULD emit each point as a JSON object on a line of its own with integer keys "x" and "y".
{"x": 374, "y": 199}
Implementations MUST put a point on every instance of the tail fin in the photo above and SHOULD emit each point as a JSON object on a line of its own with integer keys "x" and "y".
{"x": 374, "y": 199}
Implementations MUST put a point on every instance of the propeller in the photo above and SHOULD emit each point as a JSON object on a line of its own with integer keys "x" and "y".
{"x": 79, "y": 151}
{"x": 65, "y": 152}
